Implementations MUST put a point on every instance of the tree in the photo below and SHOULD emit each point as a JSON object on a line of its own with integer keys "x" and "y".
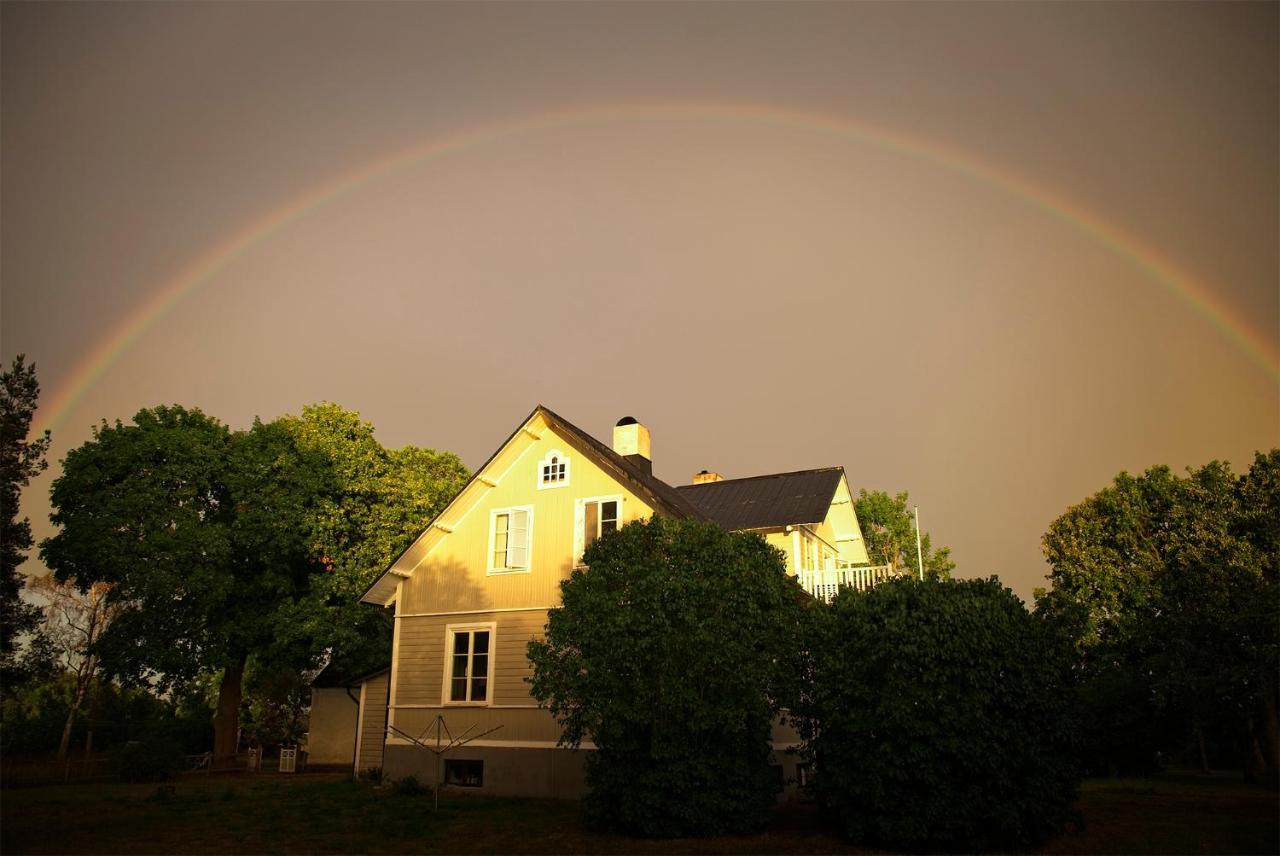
{"x": 74, "y": 621}
{"x": 380, "y": 501}
{"x": 889, "y": 529}
{"x": 669, "y": 655}
{"x": 21, "y": 459}
{"x": 201, "y": 535}
{"x": 1173, "y": 584}
{"x": 937, "y": 716}
{"x": 222, "y": 547}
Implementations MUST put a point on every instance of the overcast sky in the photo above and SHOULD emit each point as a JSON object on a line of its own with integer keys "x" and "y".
{"x": 783, "y": 236}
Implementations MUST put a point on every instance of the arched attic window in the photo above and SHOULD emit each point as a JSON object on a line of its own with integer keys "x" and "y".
{"x": 553, "y": 470}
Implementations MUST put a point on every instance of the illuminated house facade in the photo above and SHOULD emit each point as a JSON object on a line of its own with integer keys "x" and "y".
{"x": 475, "y": 587}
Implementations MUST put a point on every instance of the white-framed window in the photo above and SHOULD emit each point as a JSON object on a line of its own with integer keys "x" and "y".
{"x": 594, "y": 516}
{"x": 468, "y": 671}
{"x": 510, "y": 539}
{"x": 553, "y": 470}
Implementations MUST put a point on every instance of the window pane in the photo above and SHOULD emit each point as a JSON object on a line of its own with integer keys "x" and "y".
{"x": 519, "y": 540}
{"x": 608, "y": 517}
{"x": 591, "y": 525}
{"x": 480, "y": 666}
{"x": 460, "y": 642}
{"x": 458, "y": 690}
{"x": 482, "y": 642}
{"x": 460, "y": 665}
{"x": 479, "y": 689}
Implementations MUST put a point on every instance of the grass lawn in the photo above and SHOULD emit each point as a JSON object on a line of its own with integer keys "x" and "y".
{"x": 315, "y": 813}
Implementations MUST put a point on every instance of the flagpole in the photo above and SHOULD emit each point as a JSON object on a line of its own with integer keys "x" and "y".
{"x": 919, "y": 552}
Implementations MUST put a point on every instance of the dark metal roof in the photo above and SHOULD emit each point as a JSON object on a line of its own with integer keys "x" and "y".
{"x": 766, "y": 502}
{"x": 330, "y": 676}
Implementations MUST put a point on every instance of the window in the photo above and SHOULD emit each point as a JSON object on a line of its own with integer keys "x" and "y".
{"x": 464, "y": 774}
{"x": 553, "y": 470}
{"x": 470, "y": 663}
{"x": 510, "y": 534}
{"x": 596, "y": 516}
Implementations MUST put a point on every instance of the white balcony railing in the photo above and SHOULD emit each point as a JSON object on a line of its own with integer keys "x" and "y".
{"x": 823, "y": 584}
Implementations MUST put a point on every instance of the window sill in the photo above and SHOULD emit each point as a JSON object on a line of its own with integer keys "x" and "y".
{"x": 502, "y": 572}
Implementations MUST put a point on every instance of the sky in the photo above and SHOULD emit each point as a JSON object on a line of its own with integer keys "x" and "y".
{"x": 988, "y": 253}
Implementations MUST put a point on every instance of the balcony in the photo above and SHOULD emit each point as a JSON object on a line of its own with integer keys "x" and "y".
{"x": 823, "y": 584}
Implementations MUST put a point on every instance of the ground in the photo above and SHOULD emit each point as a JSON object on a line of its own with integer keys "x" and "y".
{"x": 315, "y": 813}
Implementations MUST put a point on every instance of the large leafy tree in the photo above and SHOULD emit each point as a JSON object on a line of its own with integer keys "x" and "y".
{"x": 668, "y": 654}
{"x": 1170, "y": 583}
{"x": 201, "y": 534}
{"x": 21, "y": 459}
{"x": 222, "y": 546}
{"x": 890, "y": 532}
{"x": 938, "y": 716}
{"x": 380, "y": 500}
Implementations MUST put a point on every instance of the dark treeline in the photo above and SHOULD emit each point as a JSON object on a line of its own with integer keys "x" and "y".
{"x": 1165, "y": 589}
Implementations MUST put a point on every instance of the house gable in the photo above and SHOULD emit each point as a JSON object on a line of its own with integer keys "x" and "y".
{"x": 450, "y": 566}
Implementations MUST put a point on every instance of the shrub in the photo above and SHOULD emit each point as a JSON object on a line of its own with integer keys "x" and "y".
{"x": 939, "y": 717}
{"x": 665, "y": 654}
{"x": 156, "y": 759}
{"x": 409, "y": 786}
{"x": 372, "y": 775}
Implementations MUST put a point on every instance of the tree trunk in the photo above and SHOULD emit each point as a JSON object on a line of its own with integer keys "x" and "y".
{"x": 83, "y": 679}
{"x": 226, "y": 721}
{"x": 1269, "y": 732}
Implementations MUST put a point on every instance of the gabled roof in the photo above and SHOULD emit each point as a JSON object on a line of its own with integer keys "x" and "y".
{"x": 766, "y": 502}
{"x": 656, "y": 493}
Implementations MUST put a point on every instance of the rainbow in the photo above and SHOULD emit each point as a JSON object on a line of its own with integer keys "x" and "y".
{"x": 202, "y": 270}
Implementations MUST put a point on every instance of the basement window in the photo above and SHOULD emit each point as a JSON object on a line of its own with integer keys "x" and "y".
{"x": 464, "y": 774}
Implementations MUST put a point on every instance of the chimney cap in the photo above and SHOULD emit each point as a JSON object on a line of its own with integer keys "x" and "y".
{"x": 627, "y": 420}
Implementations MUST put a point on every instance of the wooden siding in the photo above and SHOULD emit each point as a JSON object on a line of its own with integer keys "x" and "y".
{"x": 517, "y": 726}
{"x": 420, "y": 664}
{"x": 453, "y": 576}
{"x": 373, "y": 721}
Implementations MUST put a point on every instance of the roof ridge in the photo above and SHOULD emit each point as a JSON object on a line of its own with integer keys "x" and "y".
{"x": 762, "y": 476}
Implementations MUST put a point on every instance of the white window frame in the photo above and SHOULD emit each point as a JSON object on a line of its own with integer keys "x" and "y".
{"x": 493, "y": 533}
{"x": 580, "y": 522}
{"x": 546, "y": 462}
{"x": 450, "y": 631}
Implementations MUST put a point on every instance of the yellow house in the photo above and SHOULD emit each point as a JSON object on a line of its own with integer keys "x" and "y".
{"x": 475, "y": 587}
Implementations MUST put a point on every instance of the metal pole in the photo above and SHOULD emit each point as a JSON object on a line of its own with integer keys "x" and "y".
{"x": 919, "y": 552}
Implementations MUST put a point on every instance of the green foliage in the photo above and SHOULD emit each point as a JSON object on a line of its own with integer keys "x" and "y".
{"x": 33, "y": 715}
{"x": 226, "y": 548}
{"x": 380, "y": 501}
{"x": 155, "y": 759}
{"x": 889, "y": 528}
{"x": 938, "y": 716}
{"x": 21, "y": 459}
{"x": 409, "y": 786}
{"x": 665, "y": 654}
{"x": 1170, "y": 584}
{"x": 274, "y": 710}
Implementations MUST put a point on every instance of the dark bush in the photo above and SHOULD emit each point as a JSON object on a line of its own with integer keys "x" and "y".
{"x": 666, "y": 655}
{"x": 409, "y": 786}
{"x": 156, "y": 759}
{"x": 939, "y": 717}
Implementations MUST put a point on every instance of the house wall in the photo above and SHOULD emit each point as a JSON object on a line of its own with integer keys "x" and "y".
{"x": 331, "y": 738}
{"x": 451, "y": 585}
{"x": 373, "y": 721}
{"x": 454, "y": 576}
